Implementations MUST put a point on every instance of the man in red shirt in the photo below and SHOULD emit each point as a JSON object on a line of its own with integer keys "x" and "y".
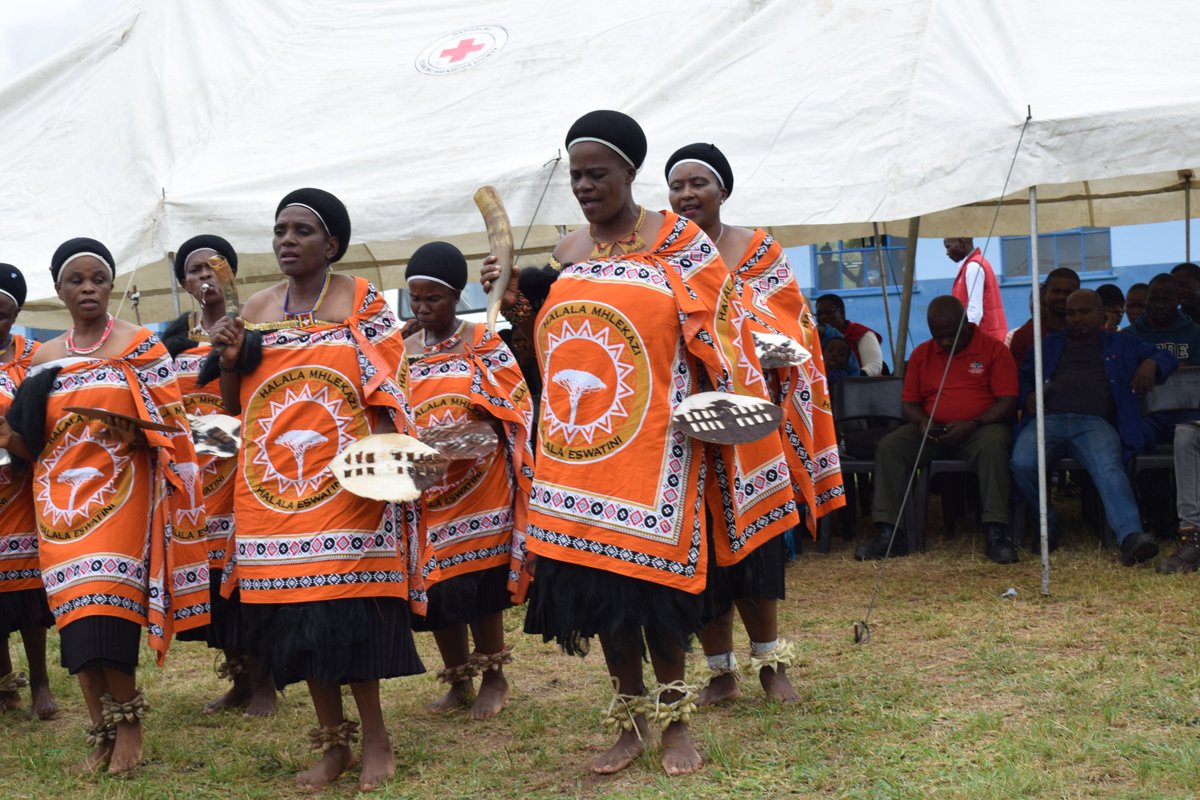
{"x": 1060, "y": 283}
{"x": 976, "y": 287}
{"x": 969, "y": 421}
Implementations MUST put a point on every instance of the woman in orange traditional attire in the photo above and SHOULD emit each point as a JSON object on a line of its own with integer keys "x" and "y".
{"x": 188, "y": 342}
{"x": 460, "y": 372}
{"x": 643, "y": 315}
{"x": 119, "y": 513}
{"x": 22, "y": 597}
{"x": 314, "y": 364}
{"x": 699, "y": 180}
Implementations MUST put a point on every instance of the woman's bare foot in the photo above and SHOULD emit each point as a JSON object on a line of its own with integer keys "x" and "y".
{"x": 378, "y": 763}
{"x": 96, "y": 760}
{"x": 10, "y": 701}
{"x": 44, "y": 707}
{"x": 680, "y": 756}
{"x": 459, "y": 695}
{"x": 721, "y": 689}
{"x": 333, "y": 763}
{"x": 238, "y": 695}
{"x": 263, "y": 701}
{"x": 629, "y": 747}
{"x": 127, "y": 751}
{"x": 493, "y": 694}
{"x": 777, "y": 686}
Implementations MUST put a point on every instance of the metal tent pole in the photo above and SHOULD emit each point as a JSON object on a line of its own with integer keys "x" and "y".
{"x": 910, "y": 268}
{"x": 887, "y": 310}
{"x": 1039, "y": 396}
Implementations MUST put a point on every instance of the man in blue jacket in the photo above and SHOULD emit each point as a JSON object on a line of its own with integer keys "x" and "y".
{"x": 1093, "y": 380}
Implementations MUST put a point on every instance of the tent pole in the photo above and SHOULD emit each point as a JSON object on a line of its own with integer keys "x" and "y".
{"x": 887, "y": 310}
{"x": 1039, "y": 396}
{"x": 174, "y": 286}
{"x": 1187, "y": 216}
{"x": 910, "y": 267}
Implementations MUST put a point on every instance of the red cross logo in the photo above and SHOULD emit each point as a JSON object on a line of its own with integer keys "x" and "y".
{"x": 461, "y": 50}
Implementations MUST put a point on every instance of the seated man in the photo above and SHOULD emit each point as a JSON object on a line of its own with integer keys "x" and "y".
{"x": 969, "y": 421}
{"x": 1135, "y": 303}
{"x": 1167, "y": 328}
{"x": 1187, "y": 500}
{"x": 1055, "y": 291}
{"x": 865, "y": 343}
{"x": 1187, "y": 280}
{"x": 1093, "y": 382}
{"x": 1113, "y": 300}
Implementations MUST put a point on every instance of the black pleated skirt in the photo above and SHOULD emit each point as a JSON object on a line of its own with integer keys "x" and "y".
{"x": 221, "y": 633}
{"x": 101, "y": 641}
{"x": 331, "y": 642}
{"x": 570, "y": 603}
{"x": 466, "y": 598}
{"x": 758, "y": 575}
{"x": 26, "y": 608}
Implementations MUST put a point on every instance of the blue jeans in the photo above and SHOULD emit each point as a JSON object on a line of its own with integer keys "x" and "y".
{"x": 1093, "y": 443}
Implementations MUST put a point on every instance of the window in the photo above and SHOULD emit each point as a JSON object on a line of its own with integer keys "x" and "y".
{"x": 850, "y": 264}
{"x": 1083, "y": 250}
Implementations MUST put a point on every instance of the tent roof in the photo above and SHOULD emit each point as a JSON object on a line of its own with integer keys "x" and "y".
{"x": 194, "y": 116}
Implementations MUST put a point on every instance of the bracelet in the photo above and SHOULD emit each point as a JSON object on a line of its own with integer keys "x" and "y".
{"x": 519, "y": 311}
{"x": 225, "y": 368}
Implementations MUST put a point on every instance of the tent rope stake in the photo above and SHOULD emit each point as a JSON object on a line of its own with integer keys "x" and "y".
{"x": 862, "y": 628}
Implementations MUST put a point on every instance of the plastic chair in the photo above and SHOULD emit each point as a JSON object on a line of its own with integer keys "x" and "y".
{"x": 864, "y": 411}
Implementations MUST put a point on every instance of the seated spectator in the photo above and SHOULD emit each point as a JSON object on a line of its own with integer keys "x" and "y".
{"x": 1058, "y": 287}
{"x": 1135, "y": 303}
{"x": 1113, "y": 300}
{"x": 970, "y": 421}
{"x": 1187, "y": 501}
{"x": 1093, "y": 382}
{"x": 839, "y": 358}
{"x": 865, "y": 343}
{"x": 1187, "y": 281}
{"x": 1165, "y": 327}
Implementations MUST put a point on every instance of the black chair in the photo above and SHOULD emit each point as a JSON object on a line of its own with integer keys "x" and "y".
{"x": 864, "y": 411}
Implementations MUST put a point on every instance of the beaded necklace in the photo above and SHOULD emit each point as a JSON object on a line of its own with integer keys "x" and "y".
{"x": 196, "y": 330}
{"x": 633, "y": 243}
{"x": 449, "y": 343}
{"x": 306, "y": 317}
{"x": 87, "y": 351}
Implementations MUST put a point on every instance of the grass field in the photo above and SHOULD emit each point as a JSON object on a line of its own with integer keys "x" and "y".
{"x": 1093, "y": 691}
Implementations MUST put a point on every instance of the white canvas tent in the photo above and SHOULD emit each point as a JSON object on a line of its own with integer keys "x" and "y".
{"x": 186, "y": 116}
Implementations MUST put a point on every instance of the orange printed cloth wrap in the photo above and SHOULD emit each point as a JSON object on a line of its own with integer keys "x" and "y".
{"x": 476, "y": 516}
{"x": 300, "y": 536}
{"x": 215, "y": 473}
{"x": 775, "y": 304}
{"x": 18, "y": 530}
{"x": 121, "y": 528}
{"x": 621, "y": 342}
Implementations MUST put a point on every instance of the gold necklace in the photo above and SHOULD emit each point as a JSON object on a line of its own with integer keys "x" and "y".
{"x": 633, "y": 243}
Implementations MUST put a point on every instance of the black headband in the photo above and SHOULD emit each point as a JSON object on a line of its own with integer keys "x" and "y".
{"x": 12, "y": 283}
{"x": 81, "y": 246}
{"x": 438, "y": 261}
{"x": 706, "y": 155}
{"x": 204, "y": 241}
{"x": 329, "y": 210}
{"x": 616, "y": 131}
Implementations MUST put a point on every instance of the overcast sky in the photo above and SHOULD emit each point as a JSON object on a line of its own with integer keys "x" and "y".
{"x": 33, "y": 30}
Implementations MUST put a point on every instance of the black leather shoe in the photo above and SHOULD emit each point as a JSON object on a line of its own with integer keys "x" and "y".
{"x": 999, "y": 547}
{"x": 1138, "y": 547}
{"x": 877, "y": 548}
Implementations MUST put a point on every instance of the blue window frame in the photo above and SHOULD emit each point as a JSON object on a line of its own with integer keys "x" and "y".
{"x": 1088, "y": 251}
{"x": 848, "y": 266}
